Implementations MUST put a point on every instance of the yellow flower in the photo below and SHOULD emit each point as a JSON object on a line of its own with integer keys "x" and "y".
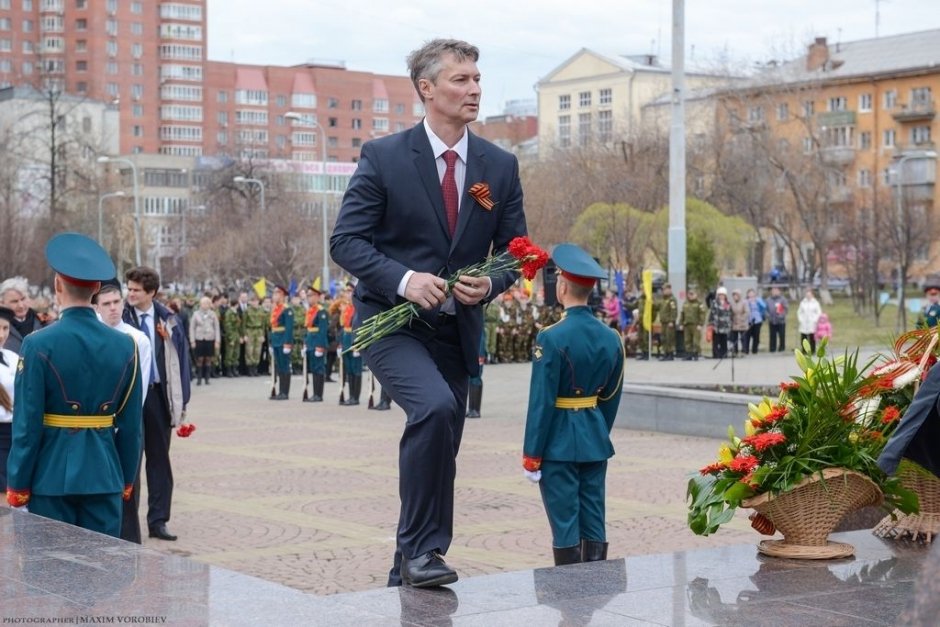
{"x": 759, "y": 412}
{"x": 749, "y": 428}
{"x": 724, "y": 454}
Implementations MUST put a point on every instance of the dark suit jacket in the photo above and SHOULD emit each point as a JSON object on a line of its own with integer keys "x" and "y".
{"x": 179, "y": 340}
{"x": 392, "y": 220}
{"x": 917, "y": 436}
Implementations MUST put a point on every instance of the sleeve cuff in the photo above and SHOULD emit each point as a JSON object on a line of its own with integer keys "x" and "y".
{"x": 531, "y": 463}
{"x": 17, "y": 498}
{"x": 404, "y": 283}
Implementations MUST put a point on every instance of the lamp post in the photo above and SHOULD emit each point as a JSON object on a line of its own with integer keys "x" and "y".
{"x": 292, "y": 115}
{"x": 106, "y": 159}
{"x": 241, "y": 180}
{"x": 899, "y": 172}
{"x": 100, "y": 201}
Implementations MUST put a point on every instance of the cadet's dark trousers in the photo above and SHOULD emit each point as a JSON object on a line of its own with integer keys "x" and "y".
{"x": 157, "y": 432}
{"x": 573, "y": 495}
{"x": 425, "y": 374}
{"x": 6, "y": 441}
{"x": 96, "y": 512}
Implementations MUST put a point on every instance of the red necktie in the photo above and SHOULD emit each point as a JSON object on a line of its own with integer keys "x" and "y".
{"x": 449, "y": 188}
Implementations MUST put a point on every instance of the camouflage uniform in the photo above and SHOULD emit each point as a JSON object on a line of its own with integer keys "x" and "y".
{"x": 233, "y": 330}
{"x": 256, "y": 322}
{"x": 297, "y": 348}
{"x": 507, "y": 329}
{"x": 668, "y": 314}
{"x": 490, "y": 328}
{"x": 691, "y": 321}
{"x": 526, "y": 337}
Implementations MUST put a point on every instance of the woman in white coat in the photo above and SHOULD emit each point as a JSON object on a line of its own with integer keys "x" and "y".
{"x": 808, "y": 316}
{"x": 8, "y": 361}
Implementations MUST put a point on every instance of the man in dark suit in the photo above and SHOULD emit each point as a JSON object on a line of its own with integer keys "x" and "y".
{"x": 165, "y": 404}
{"x": 408, "y": 222}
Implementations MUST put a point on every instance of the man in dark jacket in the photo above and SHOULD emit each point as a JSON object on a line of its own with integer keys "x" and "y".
{"x": 14, "y": 295}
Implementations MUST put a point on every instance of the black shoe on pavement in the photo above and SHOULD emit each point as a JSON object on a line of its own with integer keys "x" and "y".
{"x": 427, "y": 571}
{"x": 159, "y": 530}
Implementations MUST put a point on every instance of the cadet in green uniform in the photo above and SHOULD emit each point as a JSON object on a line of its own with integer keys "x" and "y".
{"x": 316, "y": 323}
{"x": 77, "y": 416}
{"x": 490, "y": 329}
{"x": 282, "y": 336}
{"x": 352, "y": 360}
{"x": 255, "y": 324}
{"x": 930, "y": 314}
{"x": 577, "y": 375}
{"x": 691, "y": 321}
{"x": 233, "y": 329}
{"x": 668, "y": 315}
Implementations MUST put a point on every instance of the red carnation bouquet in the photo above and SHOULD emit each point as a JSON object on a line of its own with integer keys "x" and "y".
{"x": 520, "y": 256}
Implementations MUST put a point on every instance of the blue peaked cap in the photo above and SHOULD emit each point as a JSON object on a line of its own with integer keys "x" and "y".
{"x": 79, "y": 257}
{"x": 574, "y": 260}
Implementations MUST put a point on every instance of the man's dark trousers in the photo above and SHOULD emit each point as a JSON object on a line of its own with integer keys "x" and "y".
{"x": 424, "y": 372}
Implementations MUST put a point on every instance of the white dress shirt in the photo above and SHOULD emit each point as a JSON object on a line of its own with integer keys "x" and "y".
{"x": 7, "y": 376}
{"x": 152, "y": 328}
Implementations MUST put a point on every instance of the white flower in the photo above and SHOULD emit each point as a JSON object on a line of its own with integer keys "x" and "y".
{"x": 866, "y": 408}
{"x": 907, "y": 378}
{"x": 891, "y": 366}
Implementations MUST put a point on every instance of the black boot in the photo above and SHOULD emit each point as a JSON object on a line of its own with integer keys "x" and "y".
{"x": 474, "y": 399}
{"x": 355, "y": 387}
{"x": 593, "y": 551}
{"x": 317, "y": 388}
{"x": 385, "y": 402}
{"x": 567, "y": 555}
{"x": 205, "y": 372}
{"x": 284, "y": 380}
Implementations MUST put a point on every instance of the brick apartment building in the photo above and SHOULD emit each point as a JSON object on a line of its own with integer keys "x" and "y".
{"x": 150, "y": 59}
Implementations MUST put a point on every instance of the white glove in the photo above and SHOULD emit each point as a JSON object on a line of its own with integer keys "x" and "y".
{"x": 533, "y": 475}
{"x": 356, "y": 354}
{"x": 286, "y": 350}
{"x": 318, "y": 352}
{"x": 339, "y": 351}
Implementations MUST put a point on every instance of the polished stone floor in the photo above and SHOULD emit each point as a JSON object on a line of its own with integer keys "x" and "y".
{"x": 58, "y": 573}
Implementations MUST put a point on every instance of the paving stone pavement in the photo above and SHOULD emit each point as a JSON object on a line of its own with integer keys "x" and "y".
{"x": 306, "y": 494}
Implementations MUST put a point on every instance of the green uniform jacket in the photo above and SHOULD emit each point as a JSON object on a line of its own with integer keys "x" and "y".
{"x": 76, "y": 367}
{"x": 317, "y": 333}
{"x": 283, "y": 330}
{"x": 578, "y": 356}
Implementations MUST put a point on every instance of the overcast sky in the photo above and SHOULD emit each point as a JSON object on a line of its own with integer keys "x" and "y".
{"x": 522, "y": 41}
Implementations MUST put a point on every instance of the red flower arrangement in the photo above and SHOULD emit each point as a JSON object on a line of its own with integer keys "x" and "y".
{"x": 521, "y": 255}
{"x": 185, "y": 430}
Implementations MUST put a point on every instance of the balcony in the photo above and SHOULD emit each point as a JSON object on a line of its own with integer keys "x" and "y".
{"x": 916, "y": 111}
{"x": 832, "y": 119}
{"x": 837, "y": 155}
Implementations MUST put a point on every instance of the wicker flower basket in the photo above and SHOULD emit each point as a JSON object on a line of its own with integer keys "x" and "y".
{"x": 807, "y": 513}
{"x": 924, "y": 525}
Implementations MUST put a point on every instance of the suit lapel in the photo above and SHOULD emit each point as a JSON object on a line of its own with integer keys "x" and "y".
{"x": 476, "y": 170}
{"x": 427, "y": 170}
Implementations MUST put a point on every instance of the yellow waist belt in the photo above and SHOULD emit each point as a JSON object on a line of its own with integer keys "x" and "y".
{"x": 313, "y": 329}
{"x": 277, "y": 328}
{"x": 576, "y": 402}
{"x": 77, "y": 422}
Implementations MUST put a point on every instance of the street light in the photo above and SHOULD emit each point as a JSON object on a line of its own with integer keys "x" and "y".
{"x": 106, "y": 159}
{"x": 293, "y": 115}
{"x": 241, "y": 180}
{"x": 100, "y": 201}
{"x": 899, "y": 171}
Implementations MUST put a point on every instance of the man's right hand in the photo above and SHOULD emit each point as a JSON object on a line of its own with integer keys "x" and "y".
{"x": 426, "y": 290}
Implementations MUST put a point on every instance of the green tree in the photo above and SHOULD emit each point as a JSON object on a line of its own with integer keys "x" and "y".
{"x": 701, "y": 270}
{"x": 730, "y": 237}
{"x": 616, "y": 233}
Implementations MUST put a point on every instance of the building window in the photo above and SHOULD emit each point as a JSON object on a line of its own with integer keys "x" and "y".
{"x": 137, "y": 28}
{"x": 27, "y": 47}
{"x": 888, "y": 138}
{"x": 783, "y": 112}
{"x": 27, "y": 67}
{"x": 808, "y": 145}
{"x": 138, "y": 130}
{"x": 137, "y": 92}
{"x": 839, "y": 136}
{"x": 6, "y": 23}
{"x": 332, "y": 122}
{"x": 838, "y": 103}
{"x": 81, "y": 66}
{"x": 81, "y": 4}
{"x": 809, "y": 108}
{"x": 281, "y": 101}
{"x": 332, "y": 103}
{"x": 222, "y": 96}
{"x": 221, "y": 138}
{"x": 584, "y": 99}
{"x": 605, "y": 96}
{"x": 864, "y": 102}
{"x": 891, "y": 99}
{"x": 584, "y": 129}
{"x": 111, "y": 27}
{"x": 137, "y": 111}
{"x": 920, "y": 134}
{"x": 399, "y": 109}
{"x": 27, "y": 5}
{"x": 920, "y": 97}
{"x": 564, "y": 102}
{"x": 81, "y": 45}
{"x": 304, "y": 101}
{"x": 81, "y": 87}
{"x": 564, "y": 130}
{"x": 379, "y": 124}
{"x": 356, "y": 123}
{"x": 137, "y": 50}
{"x": 380, "y": 105}
{"x": 137, "y": 8}
{"x": 755, "y": 114}
{"x": 356, "y": 142}
{"x": 112, "y": 48}
{"x": 27, "y": 26}
{"x": 356, "y": 105}
{"x": 112, "y": 67}
{"x": 605, "y": 126}
{"x": 864, "y": 178}
{"x": 864, "y": 140}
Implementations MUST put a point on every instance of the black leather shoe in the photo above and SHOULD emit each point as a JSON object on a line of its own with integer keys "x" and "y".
{"x": 427, "y": 571}
{"x": 160, "y": 531}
